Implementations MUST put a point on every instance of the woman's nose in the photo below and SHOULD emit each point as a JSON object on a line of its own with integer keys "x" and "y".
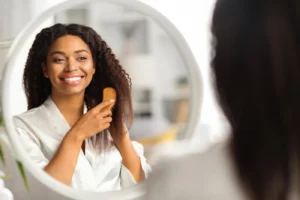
{"x": 71, "y": 65}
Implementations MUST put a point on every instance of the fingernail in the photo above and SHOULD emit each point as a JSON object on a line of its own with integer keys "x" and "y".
{"x": 111, "y": 101}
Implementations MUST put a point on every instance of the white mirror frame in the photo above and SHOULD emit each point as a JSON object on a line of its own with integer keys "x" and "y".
{"x": 195, "y": 81}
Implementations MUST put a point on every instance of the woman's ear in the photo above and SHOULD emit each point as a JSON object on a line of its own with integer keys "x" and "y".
{"x": 45, "y": 70}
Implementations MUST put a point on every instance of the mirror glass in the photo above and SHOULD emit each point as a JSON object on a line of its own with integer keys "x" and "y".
{"x": 160, "y": 95}
{"x": 160, "y": 88}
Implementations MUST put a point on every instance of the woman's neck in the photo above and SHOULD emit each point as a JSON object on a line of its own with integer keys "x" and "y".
{"x": 71, "y": 106}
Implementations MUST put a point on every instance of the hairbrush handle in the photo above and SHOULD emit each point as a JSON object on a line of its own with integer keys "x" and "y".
{"x": 108, "y": 94}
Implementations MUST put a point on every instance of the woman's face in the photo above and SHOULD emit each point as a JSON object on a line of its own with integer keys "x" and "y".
{"x": 69, "y": 65}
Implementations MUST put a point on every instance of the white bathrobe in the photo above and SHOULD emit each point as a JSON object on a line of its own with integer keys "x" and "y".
{"x": 41, "y": 131}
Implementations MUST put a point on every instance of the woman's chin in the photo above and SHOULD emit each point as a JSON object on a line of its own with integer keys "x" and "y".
{"x": 72, "y": 92}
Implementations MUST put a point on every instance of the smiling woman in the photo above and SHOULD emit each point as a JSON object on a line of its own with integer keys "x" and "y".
{"x": 66, "y": 129}
{"x": 69, "y": 63}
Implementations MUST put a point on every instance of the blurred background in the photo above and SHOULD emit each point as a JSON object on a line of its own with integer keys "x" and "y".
{"x": 161, "y": 89}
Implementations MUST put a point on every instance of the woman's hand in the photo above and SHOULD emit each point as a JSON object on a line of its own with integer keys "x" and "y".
{"x": 63, "y": 163}
{"x": 93, "y": 122}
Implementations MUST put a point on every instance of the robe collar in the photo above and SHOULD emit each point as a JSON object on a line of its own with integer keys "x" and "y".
{"x": 60, "y": 124}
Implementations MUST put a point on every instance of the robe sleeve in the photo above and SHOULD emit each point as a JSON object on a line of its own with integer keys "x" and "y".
{"x": 127, "y": 179}
{"x": 31, "y": 144}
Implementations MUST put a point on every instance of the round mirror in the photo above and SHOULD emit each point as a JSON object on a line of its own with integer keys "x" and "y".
{"x": 166, "y": 93}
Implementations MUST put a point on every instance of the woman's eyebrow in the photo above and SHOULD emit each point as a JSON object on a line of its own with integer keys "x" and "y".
{"x": 81, "y": 50}
{"x": 57, "y": 52}
{"x": 63, "y": 53}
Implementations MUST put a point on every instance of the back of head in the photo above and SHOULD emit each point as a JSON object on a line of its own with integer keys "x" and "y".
{"x": 257, "y": 78}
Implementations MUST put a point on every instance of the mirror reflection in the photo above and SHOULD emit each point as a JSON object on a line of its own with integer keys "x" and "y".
{"x": 98, "y": 86}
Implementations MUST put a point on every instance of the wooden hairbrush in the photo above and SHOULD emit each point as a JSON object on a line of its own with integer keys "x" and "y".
{"x": 108, "y": 94}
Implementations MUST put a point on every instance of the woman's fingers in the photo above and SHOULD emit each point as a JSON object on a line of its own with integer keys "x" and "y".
{"x": 104, "y": 122}
{"x": 104, "y": 114}
{"x": 102, "y": 105}
{"x": 107, "y": 119}
{"x": 104, "y": 126}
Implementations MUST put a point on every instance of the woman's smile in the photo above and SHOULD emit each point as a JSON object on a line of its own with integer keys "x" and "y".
{"x": 72, "y": 80}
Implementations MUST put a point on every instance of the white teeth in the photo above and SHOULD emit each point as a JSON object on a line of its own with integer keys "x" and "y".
{"x": 72, "y": 79}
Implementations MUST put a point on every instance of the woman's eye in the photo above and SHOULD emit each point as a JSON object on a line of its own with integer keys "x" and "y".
{"x": 58, "y": 60}
{"x": 82, "y": 58}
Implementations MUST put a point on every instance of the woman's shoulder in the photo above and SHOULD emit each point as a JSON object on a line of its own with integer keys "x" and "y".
{"x": 29, "y": 115}
{"x": 197, "y": 175}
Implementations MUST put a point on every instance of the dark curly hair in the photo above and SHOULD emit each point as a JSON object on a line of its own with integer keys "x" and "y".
{"x": 108, "y": 73}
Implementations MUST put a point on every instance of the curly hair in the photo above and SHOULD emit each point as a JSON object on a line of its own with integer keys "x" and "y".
{"x": 108, "y": 73}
